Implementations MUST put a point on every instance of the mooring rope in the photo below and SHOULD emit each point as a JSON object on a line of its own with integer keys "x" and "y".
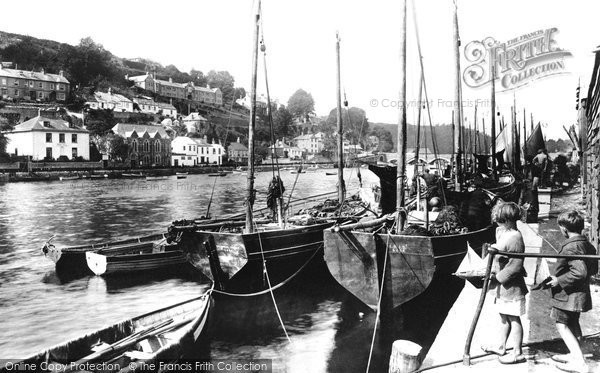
{"x": 284, "y": 282}
{"x": 379, "y": 302}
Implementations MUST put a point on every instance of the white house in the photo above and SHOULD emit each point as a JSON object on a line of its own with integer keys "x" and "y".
{"x": 149, "y": 106}
{"x": 184, "y": 152}
{"x": 42, "y": 137}
{"x": 112, "y": 101}
{"x": 210, "y": 153}
{"x": 311, "y": 143}
{"x": 194, "y": 122}
{"x": 283, "y": 150}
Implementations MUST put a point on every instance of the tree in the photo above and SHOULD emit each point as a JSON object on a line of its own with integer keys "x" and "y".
{"x": 180, "y": 129}
{"x": 385, "y": 142}
{"x": 89, "y": 63}
{"x": 198, "y": 77}
{"x": 222, "y": 80}
{"x": 239, "y": 92}
{"x": 283, "y": 123}
{"x": 301, "y": 105}
{"x": 355, "y": 124}
{"x": 118, "y": 148}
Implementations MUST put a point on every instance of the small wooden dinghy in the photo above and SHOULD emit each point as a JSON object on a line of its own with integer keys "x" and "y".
{"x": 133, "y": 176}
{"x": 71, "y": 260}
{"x": 181, "y": 175}
{"x": 64, "y": 178}
{"x": 109, "y": 262}
{"x": 217, "y": 174}
{"x": 155, "y": 178}
{"x": 165, "y": 334}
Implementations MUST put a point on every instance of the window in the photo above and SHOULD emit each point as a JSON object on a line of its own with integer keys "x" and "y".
{"x": 74, "y": 138}
{"x": 214, "y": 151}
{"x": 61, "y": 87}
{"x": 48, "y": 137}
{"x": 17, "y": 92}
{"x": 61, "y": 96}
{"x": 61, "y": 137}
{"x": 49, "y": 153}
{"x": 52, "y": 86}
{"x": 184, "y": 148}
{"x": 74, "y": 153}
{"x": 134, "y": 145}
{"x": 3, "y": 81}
{"x": 146, "y": 146}
{"x": 16, "y": 83}
{"x": 40, "y": 94}
{"x": 40, "y": 85}
{"x": 157, "y": 159}
{"x": 31, "y": 83}
{"x": 157, "y": 146}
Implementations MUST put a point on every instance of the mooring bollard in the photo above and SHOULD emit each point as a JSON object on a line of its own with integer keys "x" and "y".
{"x": 405, "y": 357}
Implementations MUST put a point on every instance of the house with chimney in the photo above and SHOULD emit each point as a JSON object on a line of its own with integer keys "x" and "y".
{"x": 35, "y": 86}
{"x": 111, "y": 101}
{"x": 182, "y": 91}
{"x": 45, "y": 138}
{"x": 149, "y": 106}
{"x": 237, "y": 152}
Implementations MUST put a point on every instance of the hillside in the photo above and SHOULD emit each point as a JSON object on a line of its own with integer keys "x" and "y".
{"x": 443, "y": 135}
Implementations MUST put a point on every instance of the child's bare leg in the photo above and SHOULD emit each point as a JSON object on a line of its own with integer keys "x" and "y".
{"x": 505, "y": 327}
{"x": 517, "y": 330}
{"x": 576, "y": 329}
{"x": 571, "y": 341}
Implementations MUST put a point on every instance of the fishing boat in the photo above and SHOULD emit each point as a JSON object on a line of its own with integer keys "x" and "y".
{"x": 98, "y": 176}
{"x": 71, "y": 260}
{"x": 133, "y": 176}
{"x": 156, "y": 178}
{"x": 181, "y": 175}
{"x": 65, "y": 178}
{"x": 164, "y": 335}
{"x": 384, "y": 262}
{"x": 298, "y": 171}
{"x": 217, "y": 174}
{"x": 330, "y": 173}
{"x": 158, "y": 256}
{"x": 245, "y": 256}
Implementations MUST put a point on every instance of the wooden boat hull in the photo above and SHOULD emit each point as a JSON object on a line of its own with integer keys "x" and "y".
{"x": 163, "y": 344}
{"x": 72, "y": 260}
{"x": 103, "y": 265}
{"x": 356, "y": 260}
{"x": 235, "y": 261}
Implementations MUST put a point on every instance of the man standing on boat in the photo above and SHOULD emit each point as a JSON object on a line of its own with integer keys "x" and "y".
{"x": 540, "y": 164}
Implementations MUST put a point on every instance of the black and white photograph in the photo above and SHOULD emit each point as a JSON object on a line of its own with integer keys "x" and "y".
{"x": 308, "y": 186}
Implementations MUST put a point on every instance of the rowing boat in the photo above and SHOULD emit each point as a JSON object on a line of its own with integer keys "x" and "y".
{"x": 158, "y": 256}
{"x": 156, "y": 178}
{"x": 71, "y": 260}
{"x": 166, "y": 335}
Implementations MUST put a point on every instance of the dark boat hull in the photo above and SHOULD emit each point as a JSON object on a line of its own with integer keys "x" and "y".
{"x": 358, "y": 261}
{"x": 235, "y": 261}
{"x": 71, "y": 260}
{"x": 162, "y": 344}
{"x": 103, "y": 265}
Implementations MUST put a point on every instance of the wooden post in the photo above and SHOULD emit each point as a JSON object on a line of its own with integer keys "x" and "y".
{"x": 250, "y": 181}
{"x": 418, "y": 145}
{"x": 494, "y": 167}
{"x": 405, "y": 357}
{"x": 401, "y": 168}
{"x": 491, "y": 252}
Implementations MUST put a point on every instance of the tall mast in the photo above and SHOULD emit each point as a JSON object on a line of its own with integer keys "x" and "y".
{"x": 418, "y": 145}
{"x": 339, "y": 125}
{"x": 457, "y": 100}
{"x": 494, "y": 168}
{"x": 401, "y": 168}
{"x": 250, "y": 181}
{"x": 476, "y": 130}
{"x": 485, "y": 146}
{"x": 524, "y": 137}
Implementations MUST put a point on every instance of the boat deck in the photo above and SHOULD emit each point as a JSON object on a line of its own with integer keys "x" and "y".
{"x": 539, "y": 330}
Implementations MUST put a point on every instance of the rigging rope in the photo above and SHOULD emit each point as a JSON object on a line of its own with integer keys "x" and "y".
{"x": 379, "y": 301}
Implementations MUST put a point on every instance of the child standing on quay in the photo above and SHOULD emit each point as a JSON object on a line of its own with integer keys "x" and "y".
{"x": 571, "y": 289}
{"x": 511, "y": 290}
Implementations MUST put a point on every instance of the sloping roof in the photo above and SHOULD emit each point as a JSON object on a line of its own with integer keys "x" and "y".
{"x": 138, "y": 78}
{"x": 110, "y": 97}
{"x": 144, "y": 101}
{"x": 40, "y": 123}
{"x": 237, "y": 146}
{"x": 194, "y": 117}
{"x": 126, "y": 130}
{"x": 23, "y": 74}
{"x": 309, "y": 136}
{"x": 163, "y": 105}
{"x": 172, "y": 84}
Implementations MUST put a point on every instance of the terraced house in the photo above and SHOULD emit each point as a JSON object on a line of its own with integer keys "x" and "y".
{"x": 181, "y": 91}
{"x": 149, "y": 145}
{"x": 35, "y": 86}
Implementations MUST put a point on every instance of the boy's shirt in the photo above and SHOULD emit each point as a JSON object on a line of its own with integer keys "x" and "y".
{"x": 573, "y": 275}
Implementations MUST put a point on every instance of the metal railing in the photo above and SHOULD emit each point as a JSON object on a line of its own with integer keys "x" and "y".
{"x": 492, "y": 253}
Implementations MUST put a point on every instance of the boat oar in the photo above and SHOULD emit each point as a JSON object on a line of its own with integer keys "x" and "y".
{"x": 119, "y": 345}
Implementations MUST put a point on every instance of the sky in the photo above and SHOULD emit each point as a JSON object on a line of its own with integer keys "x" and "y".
{"x": 300, "y": 41}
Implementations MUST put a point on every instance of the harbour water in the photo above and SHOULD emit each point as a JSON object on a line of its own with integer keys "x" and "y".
{"x": 328, "y": 329}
